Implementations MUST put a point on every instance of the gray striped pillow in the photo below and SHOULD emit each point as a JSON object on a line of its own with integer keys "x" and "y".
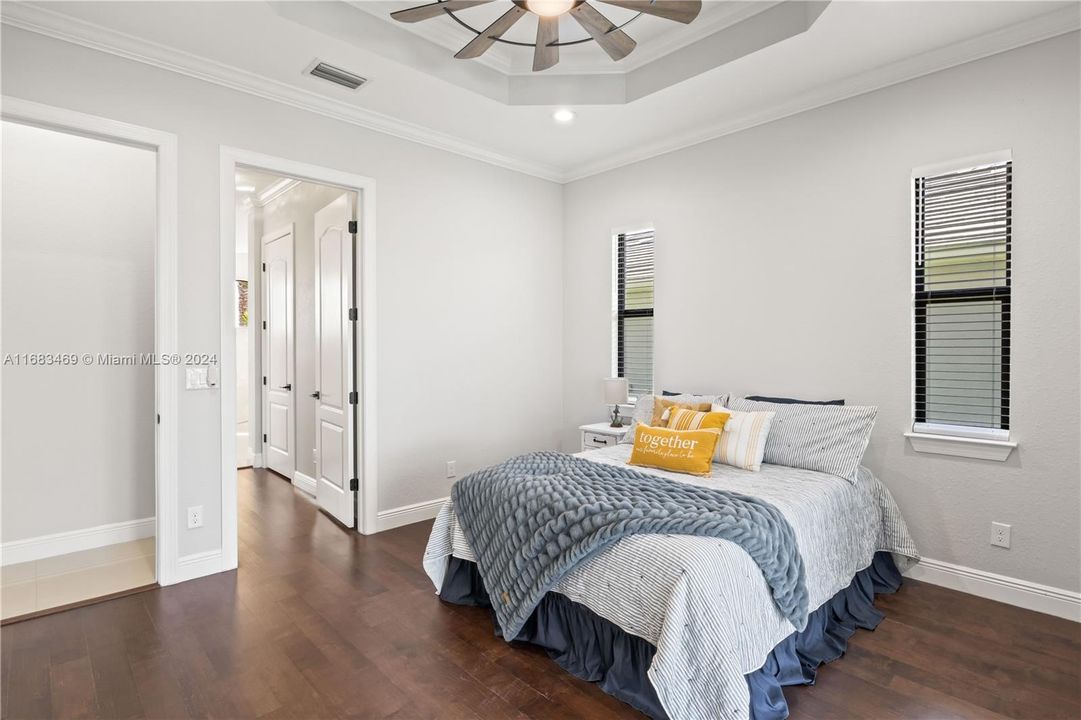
{"x": 826, "y": 438}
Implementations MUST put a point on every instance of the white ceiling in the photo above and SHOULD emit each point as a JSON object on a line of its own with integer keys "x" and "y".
{"x": 852, "y": 47}
{"x": 667, "y": 52}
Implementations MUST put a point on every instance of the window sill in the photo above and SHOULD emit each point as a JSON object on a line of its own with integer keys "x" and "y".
{"x": 977, "y": 448}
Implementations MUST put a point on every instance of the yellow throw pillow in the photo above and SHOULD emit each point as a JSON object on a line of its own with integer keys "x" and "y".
{"x": 681, "y": 419}
{"x": 685, "y": 451}
{"x": 662, "y": 406}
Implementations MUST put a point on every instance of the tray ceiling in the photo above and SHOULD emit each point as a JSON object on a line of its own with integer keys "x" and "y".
{"x": 667, "y": 53}
{"x": 431, "y": 98}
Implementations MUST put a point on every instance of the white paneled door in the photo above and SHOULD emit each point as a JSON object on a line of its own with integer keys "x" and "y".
{"x": 335, "y": 377}
{"x": 279, "y": 408}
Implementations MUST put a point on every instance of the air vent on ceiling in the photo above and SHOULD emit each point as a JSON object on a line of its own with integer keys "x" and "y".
{"x": 338, "y": 76}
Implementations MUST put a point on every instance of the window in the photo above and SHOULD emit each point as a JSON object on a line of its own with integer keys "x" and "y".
{"x": 634, "y": 311}
{"x": 962, "y": 302}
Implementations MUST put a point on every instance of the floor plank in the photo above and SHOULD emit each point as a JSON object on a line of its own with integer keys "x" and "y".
{"x": 319, "y": 622}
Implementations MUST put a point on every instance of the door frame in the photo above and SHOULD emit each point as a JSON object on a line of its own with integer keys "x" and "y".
{"x": 230, "y": 158}
{"x": 166, "y": 376}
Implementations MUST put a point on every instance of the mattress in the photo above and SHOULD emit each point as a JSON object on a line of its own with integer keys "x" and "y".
{"x": 702, "y": 602}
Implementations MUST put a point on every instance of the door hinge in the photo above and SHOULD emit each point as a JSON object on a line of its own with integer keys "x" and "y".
{"x": 159, "y": 418}
{"x": 353, "y": 398}
{"x": 264, "y": 437}
{"x": 353, "y": 314}
{"x": 354, "y": 484}
{"x": 264, "y": 267}
{"x": 264, "y": 379}
{"x": 353, "y": 227}
{"x": 264, "y": 324}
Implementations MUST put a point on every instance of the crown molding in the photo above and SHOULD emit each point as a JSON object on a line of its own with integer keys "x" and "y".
{"x": 56, "y": 25}
{"x": 1043, "y": 27}
{"x": 68, "y": 29}
{"x": 275, "y": 191}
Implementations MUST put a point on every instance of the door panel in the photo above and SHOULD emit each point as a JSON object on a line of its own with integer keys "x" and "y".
{"x": 279, "y": 413}
{"x": 331, "y": 443}
{"x": 334, "y": 363}
{"x": 278, "y": 428}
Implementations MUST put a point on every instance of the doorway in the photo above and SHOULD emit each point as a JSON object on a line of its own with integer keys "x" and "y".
{"x": 300, "y": 239}
{"x": 88, "y": 280}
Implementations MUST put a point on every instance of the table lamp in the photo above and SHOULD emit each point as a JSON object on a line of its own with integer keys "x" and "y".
{"x": 615, "y": 394}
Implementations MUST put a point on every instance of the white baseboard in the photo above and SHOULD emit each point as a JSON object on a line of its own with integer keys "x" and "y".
{"x": 198, "y": 565}
{"x": 1012, "y": 591}
{"x": 38, "y": 548}
{"x": 408, "y": 514}
{"x": 304, "y": 482}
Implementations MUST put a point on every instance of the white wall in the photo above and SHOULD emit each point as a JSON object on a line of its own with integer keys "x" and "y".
{"x": 469, "y": 263}
{"x": 298, "y": 206}
{"x": 782, "y": 263}
{"x": 783, "y": 267}
{"x": 244, "y": 447}
{"x": 78, "y": 277}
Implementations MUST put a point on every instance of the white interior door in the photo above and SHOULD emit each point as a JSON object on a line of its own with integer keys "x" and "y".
{"x": 334, "y": 419}
{"x": 279, "y": 410}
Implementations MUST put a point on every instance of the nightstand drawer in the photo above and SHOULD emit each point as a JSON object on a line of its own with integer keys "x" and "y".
{"x": 596, "y": 440}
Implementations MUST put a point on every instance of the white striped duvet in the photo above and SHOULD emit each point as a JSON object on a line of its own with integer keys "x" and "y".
{"x": 702, "y": 601}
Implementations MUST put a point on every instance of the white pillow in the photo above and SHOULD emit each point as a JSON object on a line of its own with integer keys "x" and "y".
{"x": 743, "y": 441}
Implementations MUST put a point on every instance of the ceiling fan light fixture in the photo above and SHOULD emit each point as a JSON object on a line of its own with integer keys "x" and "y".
{"x": 609, "y": 36}
{"x": 549, "y": 8}
{"x": 563, "y": 116}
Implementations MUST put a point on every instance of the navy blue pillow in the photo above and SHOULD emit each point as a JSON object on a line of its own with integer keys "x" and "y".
{"x": 669, "y": 393}
{"x": 793, "y": 401}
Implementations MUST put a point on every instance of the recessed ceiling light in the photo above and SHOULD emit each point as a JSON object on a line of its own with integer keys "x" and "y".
{"x": 563, "y": 116}
{"x": 245, "y": 188}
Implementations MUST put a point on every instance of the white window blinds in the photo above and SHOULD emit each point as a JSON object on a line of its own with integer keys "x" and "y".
{"x": 634, "y": 311}
{"x": 962, "y": 298}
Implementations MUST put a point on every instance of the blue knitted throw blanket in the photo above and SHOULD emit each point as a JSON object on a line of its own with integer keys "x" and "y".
{"x": 531, "y": 519}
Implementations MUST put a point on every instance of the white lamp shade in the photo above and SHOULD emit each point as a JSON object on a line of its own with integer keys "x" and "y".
{"x": 615, "y": 391}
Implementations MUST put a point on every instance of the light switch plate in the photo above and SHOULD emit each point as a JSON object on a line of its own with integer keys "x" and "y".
{"x": 195, "y": 378}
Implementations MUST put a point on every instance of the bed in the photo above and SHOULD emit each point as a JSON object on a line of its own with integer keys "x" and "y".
{"x": 684, "y": 627}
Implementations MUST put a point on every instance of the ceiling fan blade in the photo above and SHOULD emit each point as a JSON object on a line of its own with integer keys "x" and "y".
{"x": 427, "y": 12}
{"x": 683, "y": 11}
{"x": 614, "y": 41}
{"x": 547, "y": 54}
{"x": 487, "y": 38}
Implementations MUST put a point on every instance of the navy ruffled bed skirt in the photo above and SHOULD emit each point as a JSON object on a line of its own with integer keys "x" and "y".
{"x": 592, "y": 648}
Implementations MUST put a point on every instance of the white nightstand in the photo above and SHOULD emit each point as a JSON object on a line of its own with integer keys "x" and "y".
{"x": 598, "y": 435}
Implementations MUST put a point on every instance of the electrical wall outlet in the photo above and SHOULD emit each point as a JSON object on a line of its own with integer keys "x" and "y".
{"x": 452, "y": 468}
{"x": 1000, "y": 534}
{"x": 195, "y": 516}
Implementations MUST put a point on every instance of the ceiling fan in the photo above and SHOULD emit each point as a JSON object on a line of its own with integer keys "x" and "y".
{"x": 609, "y": 36}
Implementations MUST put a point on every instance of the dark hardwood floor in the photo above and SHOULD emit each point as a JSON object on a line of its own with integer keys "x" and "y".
{"x": 323, "y": 623}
